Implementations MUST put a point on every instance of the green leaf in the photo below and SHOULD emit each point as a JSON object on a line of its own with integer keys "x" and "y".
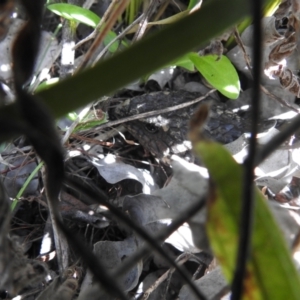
{"x": 109, "y": 37}
{"x": 184, "y": 62}
{"x": 271, "y": 273}
{"x": 75, "y": 13}
{"x": 220, "y": 73}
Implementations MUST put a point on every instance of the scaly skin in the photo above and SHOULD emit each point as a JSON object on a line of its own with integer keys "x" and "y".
{"x": 167, "y": 133}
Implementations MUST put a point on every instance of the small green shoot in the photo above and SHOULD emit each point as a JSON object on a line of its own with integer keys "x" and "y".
{"x": 132, "y": 10}
{"x": 90, "y": 121}
{"x": 26, "y": 183}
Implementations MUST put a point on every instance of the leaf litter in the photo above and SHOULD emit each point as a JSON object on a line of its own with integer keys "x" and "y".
{"x": 143, "y": 187}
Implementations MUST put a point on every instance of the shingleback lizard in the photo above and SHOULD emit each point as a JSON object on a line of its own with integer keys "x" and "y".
{"x": 166, "y": 133}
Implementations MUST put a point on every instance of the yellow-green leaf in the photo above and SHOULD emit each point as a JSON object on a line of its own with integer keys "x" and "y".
{"x": 219, "y": 72}
{"x": 184, "y": 62}
{"x": 75, "y": 13}
{"x": 270, "y": 273}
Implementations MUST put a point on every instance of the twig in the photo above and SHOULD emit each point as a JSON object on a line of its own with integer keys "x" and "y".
{"x": 154, "y": 112}
{"x": 98, "y": 27}
{"x": 248, "y": 63}
{"x": 88, "y": 3}
{"x": 60, "y": 241}
{"x": 180, "y": 260}
{"x": 116, "y": 9}
{"x": 197, "y": 271}
{"x": 278, "y": 140}
{"x": 145, "y": 250}
{"x": 281, "y": 101}
{"x": 119, "y": 37}
{"x": 161, "y": 10}
{"x": 143, "y": 25}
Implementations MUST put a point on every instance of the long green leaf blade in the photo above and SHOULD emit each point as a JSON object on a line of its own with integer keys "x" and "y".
{"x": 271, "y": 273}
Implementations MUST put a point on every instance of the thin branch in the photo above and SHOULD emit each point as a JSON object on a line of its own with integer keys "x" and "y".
{"x": 99, "y": 25}
{"x": 180, "y": 260}
{"x": 154, "y": 112}
{"x": 146, "y": 16}
{"x": 119, "y": 37}
{"x": 98, "y": 270}
{"x": 277, "y": 140}
{"x": 116, "y": 11}
{"x": 60, "y": 241}
{"x": 246, "y": 222}
{"x": 264, "y": 89}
